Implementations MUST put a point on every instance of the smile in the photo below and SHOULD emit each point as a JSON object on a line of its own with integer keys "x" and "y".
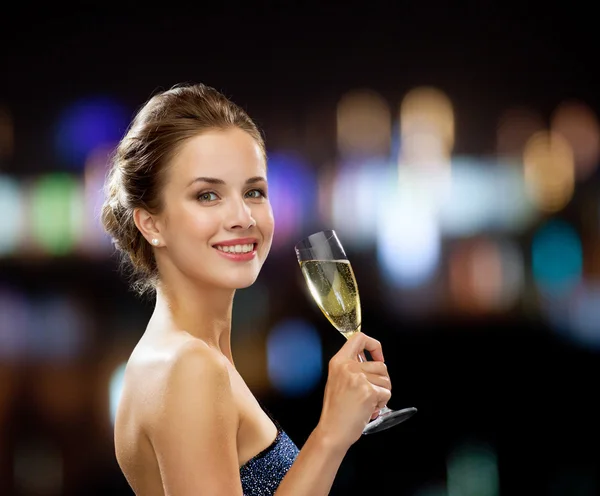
{"x": 236, "y": 248}
{"x": 243, "y": 252}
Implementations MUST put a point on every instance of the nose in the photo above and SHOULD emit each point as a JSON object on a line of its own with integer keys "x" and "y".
{"x": 239, "y": 216}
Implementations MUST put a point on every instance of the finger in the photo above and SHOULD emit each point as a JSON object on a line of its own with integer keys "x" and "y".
{"x": 359, "y": 342}
{"x": 374, "y": 368}
{"x": 383, "y": 396}
{"x": 380, "y": 381}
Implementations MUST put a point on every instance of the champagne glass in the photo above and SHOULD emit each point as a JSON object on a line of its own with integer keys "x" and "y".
{"x": 332, "y": 284}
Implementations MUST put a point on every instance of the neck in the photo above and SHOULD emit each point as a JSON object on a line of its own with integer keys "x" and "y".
{"x": 203, "y": 312}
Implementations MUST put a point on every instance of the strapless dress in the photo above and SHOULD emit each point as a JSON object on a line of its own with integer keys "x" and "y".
{"x": 262, "y": 474}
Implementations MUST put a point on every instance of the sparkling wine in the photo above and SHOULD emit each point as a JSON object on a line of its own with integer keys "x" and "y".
{"x": 333, "y": 286}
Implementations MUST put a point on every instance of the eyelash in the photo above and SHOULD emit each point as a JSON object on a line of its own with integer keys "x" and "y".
{"x": 200, "y": 195}
{"x": 261, "y": 191}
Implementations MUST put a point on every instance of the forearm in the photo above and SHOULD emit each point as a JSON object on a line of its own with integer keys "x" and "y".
{"x": 315, "y": 467}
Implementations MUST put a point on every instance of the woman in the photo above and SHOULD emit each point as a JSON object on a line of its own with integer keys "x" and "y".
{"x": 187, "y": 206}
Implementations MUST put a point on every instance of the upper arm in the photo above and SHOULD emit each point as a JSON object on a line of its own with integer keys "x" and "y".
{"x": 195, "y": 429}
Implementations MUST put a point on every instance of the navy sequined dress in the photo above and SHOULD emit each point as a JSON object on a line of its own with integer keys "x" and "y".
{"x": 262, "y": 474}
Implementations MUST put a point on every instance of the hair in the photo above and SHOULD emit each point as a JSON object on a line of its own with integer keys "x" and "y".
{"x": 140, "y": 161}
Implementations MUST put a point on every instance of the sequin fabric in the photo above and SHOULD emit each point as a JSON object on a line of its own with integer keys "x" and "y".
{"x": 262, "y": 474}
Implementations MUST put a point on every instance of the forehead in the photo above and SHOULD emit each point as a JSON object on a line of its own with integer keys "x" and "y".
{"x": 231, "y": 154}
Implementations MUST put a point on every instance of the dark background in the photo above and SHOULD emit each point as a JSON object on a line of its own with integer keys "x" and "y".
{"x": 506, "y": 399}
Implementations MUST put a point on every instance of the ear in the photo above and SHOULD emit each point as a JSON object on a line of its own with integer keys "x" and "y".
{"x": 148, "y": 225}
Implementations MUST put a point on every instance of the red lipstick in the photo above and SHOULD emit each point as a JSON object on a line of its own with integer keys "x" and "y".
{"x": 238, "y": 256}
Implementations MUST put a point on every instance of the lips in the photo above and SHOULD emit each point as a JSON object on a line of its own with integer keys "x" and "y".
{"x": 238, "y": 250}
{"x": 241, "y": 248}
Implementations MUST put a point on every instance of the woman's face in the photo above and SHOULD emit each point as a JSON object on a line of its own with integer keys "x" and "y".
{"x": 217, "y": 224}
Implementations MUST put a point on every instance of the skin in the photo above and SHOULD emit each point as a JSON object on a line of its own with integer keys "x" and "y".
{"x": 187, "y": 421}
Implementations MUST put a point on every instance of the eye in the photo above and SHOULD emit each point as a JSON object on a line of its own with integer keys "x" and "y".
{"x": 256, "y": 194}
{"x": 207, "y": 196}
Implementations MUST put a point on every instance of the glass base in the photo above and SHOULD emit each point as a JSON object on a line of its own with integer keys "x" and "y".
{"x": 389, "y": 419}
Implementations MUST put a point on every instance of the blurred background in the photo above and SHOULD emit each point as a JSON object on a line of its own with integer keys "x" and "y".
{"x": 455, "y": 151}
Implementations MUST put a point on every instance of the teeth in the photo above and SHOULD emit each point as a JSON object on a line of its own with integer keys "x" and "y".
{"x": 236, "y": 248}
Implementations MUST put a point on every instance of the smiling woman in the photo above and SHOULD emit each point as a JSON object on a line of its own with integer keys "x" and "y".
{"x": 210, "y": 196}
{"x": 187, "y": 207}
{"x": 142, "y": 162}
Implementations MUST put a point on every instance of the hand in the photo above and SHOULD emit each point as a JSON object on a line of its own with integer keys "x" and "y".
{"x": 355, "y": 391}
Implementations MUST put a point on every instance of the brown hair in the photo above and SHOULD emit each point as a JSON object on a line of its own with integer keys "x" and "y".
{"x": 138, "y": 167}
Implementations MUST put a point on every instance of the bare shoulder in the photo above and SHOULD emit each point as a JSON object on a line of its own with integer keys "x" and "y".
{"x": 193, "y": 427}
{"x": 193, "y": 364}
{"x": 178, "y": 418}
{"x": 160, "y": 374}
{"x": 194, "y": 375}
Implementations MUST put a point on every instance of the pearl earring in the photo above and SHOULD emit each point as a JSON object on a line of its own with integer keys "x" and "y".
{"x": 155, "y": 241}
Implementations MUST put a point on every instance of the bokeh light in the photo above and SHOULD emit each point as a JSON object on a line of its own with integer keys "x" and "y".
{"x": 86, "y": 125}
{"x": 408, "y": 241}
{"x": 556, "y": 258}
{"x": 584, "y": 314}
{"x": 549, "y": 171}
{"x": 426, "y": 128}
{"x": 486, "y": 275}
{"x": 115, "y": 390}
{"x": 472, "y": 470}
{"x": 470, "y": 201}
{"x": 66, "y": 329}
{"x": 355, "y": 201}
{"x": 363, "y": 125}
{"x": 94, "y": 241}
{"x": 576, "y": 316}
{"x": 14, "y": 324}
{"x": 294, "y": 357}
{"x": 484, "y": 195}
{"x": 57, "y": 212}
{"x": 327, "y": 177}
{"x": 12, "y": 222}
{"x": 578, "y": 124}
{"x": 293, "y": 195}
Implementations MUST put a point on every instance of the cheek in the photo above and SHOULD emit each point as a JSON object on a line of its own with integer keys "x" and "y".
{"x": 194, "y": 223}
{"x": 266, "y": 220}
{"x": 204, "y": 224}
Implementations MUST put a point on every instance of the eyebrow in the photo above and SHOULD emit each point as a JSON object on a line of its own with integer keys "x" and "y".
{"x": 214, "y": 180}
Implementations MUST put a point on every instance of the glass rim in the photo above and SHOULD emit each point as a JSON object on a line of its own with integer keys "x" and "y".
{"x": 329, "y": 233}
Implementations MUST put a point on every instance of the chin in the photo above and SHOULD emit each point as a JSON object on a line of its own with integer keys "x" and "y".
{"x": 240, "y": 282}
{"x": 244, "y": 286}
